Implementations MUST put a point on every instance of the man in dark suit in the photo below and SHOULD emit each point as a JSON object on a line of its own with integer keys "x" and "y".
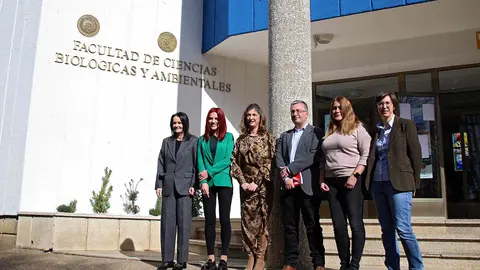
{"x": 297, "y": 158}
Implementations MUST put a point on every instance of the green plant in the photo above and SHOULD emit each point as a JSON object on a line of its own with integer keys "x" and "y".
{"x": 157, "y": 211}
{"x": 100, "y": 202}
{"x": 70, "y": 208}
{"x": 196, "y": 204}
{"x": 131, "y": 197}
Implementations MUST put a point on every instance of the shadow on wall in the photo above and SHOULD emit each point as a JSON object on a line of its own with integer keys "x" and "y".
{"x": 127, "y": 245}
{"x": 226, "y": 78}
{"x": 189, "y": 98}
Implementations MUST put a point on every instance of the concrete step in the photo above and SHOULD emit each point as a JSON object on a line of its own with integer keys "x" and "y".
{"x": 446, "y": 242}
{"x": 373, "y": 257}
{"x": 421, "y": 225}
{"x": 199, "y": 246}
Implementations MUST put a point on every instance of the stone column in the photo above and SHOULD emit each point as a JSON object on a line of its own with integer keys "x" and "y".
{"x": 290, "y": 71}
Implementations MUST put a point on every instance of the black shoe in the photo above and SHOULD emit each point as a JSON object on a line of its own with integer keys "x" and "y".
{"x": 222, "y": 265}
{"x": 166, "y": 265}
{"x": 179, "y": 266}
{"x": 209, "y": 265}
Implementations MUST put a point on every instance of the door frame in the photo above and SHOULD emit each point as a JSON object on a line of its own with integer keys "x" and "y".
{"x": 432, "y": 206}
{"x": 461, "y": 130}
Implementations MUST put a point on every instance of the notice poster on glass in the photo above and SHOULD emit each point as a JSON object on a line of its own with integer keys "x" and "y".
{"x": 465, "y": 142}
{"x": 405, "y": 111}
{"x": 456, "y": 140}
{"x": 457, "y": 159}
{"x": 427, "y": 171}
{"x": 425, "y": 145}
{"x": 428, "y": 112}
{"x": 457, "y": 151}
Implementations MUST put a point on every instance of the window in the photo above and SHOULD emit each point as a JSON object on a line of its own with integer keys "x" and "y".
{"x": 419, "y": 82}
{"x": 361, "y": 94}
{"x": 465, "y": 79}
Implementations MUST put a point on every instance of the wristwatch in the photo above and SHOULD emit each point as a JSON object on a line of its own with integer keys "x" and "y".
{"x": 356, "y": 174}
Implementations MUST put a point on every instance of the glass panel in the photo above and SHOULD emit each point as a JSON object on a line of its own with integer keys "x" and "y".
{"x": 361, "y": 93}
{"x": 471, "y": 142}
{"x": 419, "y": 82}
{"x": 422, "y": 111}
{"x": 358, "y": 89}
{"x": 460, "y": 79}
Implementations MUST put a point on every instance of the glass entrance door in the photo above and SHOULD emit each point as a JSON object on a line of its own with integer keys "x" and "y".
{"x": 471, "y": 155}
{"x": 461, "y": 133}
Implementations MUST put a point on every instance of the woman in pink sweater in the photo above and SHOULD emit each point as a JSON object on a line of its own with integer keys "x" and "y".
{"x": 346, "y": 145}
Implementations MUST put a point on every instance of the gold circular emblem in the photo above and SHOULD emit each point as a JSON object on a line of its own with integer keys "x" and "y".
{"x": 88, "y": 25}
{"x": 167, "y": 42}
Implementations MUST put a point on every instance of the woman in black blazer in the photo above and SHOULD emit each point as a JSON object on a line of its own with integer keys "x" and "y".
{"x": 175, "y": 181}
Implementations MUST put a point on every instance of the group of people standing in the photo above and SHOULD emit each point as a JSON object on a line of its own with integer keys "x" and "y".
{"x": 308, "y": 162}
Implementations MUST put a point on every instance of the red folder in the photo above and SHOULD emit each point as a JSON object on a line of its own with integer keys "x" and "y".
{"x": 297, "y": 180}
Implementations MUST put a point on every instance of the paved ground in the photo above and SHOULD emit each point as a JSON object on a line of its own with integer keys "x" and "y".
{"x": 32, "y": 259}
{"x": 24, "y": 259}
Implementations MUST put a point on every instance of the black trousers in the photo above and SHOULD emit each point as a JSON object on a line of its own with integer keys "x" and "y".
{"x": 347, "y": 203}
{"x": 293, "y": 202}
{"x": 224, "y": 203}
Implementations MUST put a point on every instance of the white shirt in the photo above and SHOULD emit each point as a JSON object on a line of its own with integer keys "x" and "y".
{"x": 297, "y": 134}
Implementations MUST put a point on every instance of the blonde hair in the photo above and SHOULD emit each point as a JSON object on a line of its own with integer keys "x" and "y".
{"x": 349, "y": 120}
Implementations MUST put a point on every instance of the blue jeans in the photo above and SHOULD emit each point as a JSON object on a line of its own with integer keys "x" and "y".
{"x": 394, "y": 214}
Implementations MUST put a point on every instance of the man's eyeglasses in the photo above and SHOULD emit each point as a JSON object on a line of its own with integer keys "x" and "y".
{"x": 292, "y": 112}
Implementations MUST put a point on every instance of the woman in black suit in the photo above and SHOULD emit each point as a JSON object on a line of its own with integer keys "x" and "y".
{"x": 175, "y": 180}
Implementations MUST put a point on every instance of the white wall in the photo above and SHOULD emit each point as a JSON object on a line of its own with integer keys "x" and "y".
{"x": 19, "y": 29}
{"x": 82, "y": 120}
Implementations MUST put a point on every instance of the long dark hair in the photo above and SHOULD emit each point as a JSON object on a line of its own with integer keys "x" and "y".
{"x": 222, "y": 124}
{"x": 186, "y": 125}
{"x": 244, "y": 122}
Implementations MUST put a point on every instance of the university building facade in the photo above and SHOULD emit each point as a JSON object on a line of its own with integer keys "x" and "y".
{"x": 87, "y": 85}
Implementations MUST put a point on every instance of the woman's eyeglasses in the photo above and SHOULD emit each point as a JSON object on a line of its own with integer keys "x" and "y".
{"x": 381, "y": 104}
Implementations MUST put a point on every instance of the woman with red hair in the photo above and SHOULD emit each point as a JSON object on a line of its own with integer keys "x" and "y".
{"x": 214, "y": 152}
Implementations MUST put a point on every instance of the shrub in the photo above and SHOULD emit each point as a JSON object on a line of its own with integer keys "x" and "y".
{"x": 157, "y": 211}
{"x": 70, "y": 208}
{"x": 131, "y": 197}
{"x": 100, "y": 202}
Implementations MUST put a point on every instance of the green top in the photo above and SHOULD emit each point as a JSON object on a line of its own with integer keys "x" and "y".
{"x": 218, "y": 168}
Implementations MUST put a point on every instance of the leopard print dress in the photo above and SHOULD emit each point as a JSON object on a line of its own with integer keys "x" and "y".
{"x": 252, "y": 163}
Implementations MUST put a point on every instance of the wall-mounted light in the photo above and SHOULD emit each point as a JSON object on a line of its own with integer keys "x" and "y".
{"x": 322, "y": 39}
